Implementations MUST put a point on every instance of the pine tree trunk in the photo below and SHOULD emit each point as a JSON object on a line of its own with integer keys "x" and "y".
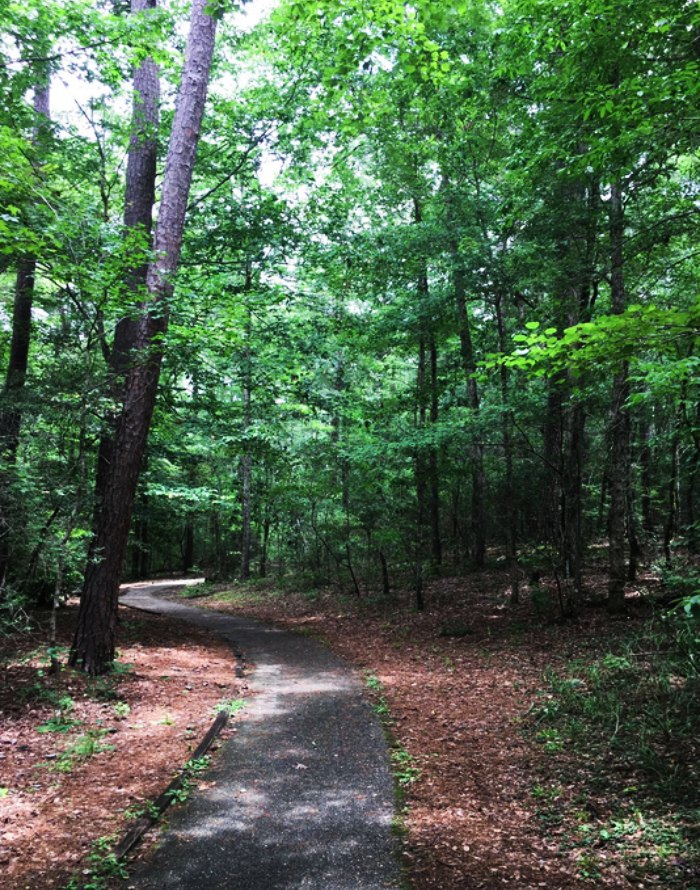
{"x": 138, "y": 220}
{"x": 95, "y": 638}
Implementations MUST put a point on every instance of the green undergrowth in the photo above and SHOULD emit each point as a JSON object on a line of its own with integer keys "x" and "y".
{"x": 238, "y": 593}
{"x": 621, "y": 734}
{"x": 104, "y": 868}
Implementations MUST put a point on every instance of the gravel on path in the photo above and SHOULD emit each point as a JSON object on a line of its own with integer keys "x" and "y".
{"x": 302, "y": 795}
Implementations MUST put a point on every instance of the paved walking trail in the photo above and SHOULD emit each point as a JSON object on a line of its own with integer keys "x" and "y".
{"x": 302, "y": 794}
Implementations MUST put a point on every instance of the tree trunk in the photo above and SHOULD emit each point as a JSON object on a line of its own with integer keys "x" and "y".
{"x": 433, "y": 468}
{"x": 619, "y": 423}
{"x": 247, "y": 457}
{"x": 646, "y": 435}
{"x": 11, "y": 410}
{"x": 138, "y": 220}
{"x": 671, "y": 524}
{"x": 188, "y": 546}
{"x": 510, "y": 511}
{"x": 572, "y": 544}
{"x": 691, "y": 484}
{"x": 478, "y": 524}
{"x": 386, "y": 584}
{"x": 264, "y": 545}
{"x": 95, "y": 637}
{"x": 420, "y": 477}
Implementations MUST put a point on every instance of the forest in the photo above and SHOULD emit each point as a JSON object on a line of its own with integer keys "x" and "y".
{"x": 349, "y": 295}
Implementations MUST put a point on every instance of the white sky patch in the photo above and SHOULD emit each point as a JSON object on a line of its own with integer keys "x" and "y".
{"x": 253, "y": 13}
{"x": 70, "y": 90}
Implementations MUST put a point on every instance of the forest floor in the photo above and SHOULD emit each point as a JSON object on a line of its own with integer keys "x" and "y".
{"x": 81, "y": 758}
{"x": 490, "y": 797}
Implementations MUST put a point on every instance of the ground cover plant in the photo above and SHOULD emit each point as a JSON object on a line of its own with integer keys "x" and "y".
{"x": 530, "y": 752}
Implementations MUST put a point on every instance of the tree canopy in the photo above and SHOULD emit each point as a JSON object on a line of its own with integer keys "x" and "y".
{"x": 437, "y": 303}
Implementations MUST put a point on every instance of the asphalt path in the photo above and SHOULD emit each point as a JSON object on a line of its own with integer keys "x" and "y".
{"x": 301, "y": 796}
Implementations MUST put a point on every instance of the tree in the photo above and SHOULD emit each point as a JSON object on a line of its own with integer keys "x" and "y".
{"x": 94, "y": 643}
{"x": 11, "y": 408}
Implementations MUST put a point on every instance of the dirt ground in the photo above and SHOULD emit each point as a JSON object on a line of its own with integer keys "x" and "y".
{"x": 80, "y": 758}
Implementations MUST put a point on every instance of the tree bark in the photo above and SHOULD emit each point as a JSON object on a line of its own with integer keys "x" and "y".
{"x": 478, "y": 525}
{"x": 510, "y": 511}
{"x": 188, "y": 546}
{"x": 246, "y": 467}
{"x": 95, "y": 638}
{"x": 433, "y": 468}
{"x": 11, "y": 411}
{"x": 138, "y": 221}
{"x": 619, "y": 422}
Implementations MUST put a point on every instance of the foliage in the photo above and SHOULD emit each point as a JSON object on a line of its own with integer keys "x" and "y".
{"x": 624, "y": 729}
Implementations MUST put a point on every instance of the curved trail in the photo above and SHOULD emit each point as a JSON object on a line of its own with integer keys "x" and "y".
{"x": 302, "y": 795}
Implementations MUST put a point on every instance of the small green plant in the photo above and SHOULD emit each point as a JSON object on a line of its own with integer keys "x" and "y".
{"x": 198, "y": 765}
{"x": 372, "y": 682}
{"x": 551, "y": 740}
{"x": 542, "y": 792}
{"x": 231, "y": 706}
{"x": 167, "y": 720}
{"x": 104, "y": 867}
{"x": 60, "y": 722}
{"x": 405, "y": 771}
{"x": 86, "y": 746}
{"x": 382, "y": 707}
{"x": 181, "y": 792}
{"x": 121, "y": 709}
{"x": 195, "y": 591}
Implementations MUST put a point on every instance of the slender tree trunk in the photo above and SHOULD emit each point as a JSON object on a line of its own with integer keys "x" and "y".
{"x": 264, "y": 545}
{"x": 386, "y": 585}
{"x": 691, "y": 484}
{"x": 95, "y": 637}
{"x": 573, "y": 508}
{"x": 478, "y": 516}
{"x": 645, "y": 434}
{"x": 433, "y": 463}
{"x": 510, "y": 511}
{"x": 427, "y": 463}
{"x": 619, "y": 423}
{"x": 247, "y": 457}
{"x": 11, "y": 409}
{"x": 138, "y": 220}
{"x": 420, "y": 477}
{"x": 188, "y": 546}
{"x": 671, "y": 524}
